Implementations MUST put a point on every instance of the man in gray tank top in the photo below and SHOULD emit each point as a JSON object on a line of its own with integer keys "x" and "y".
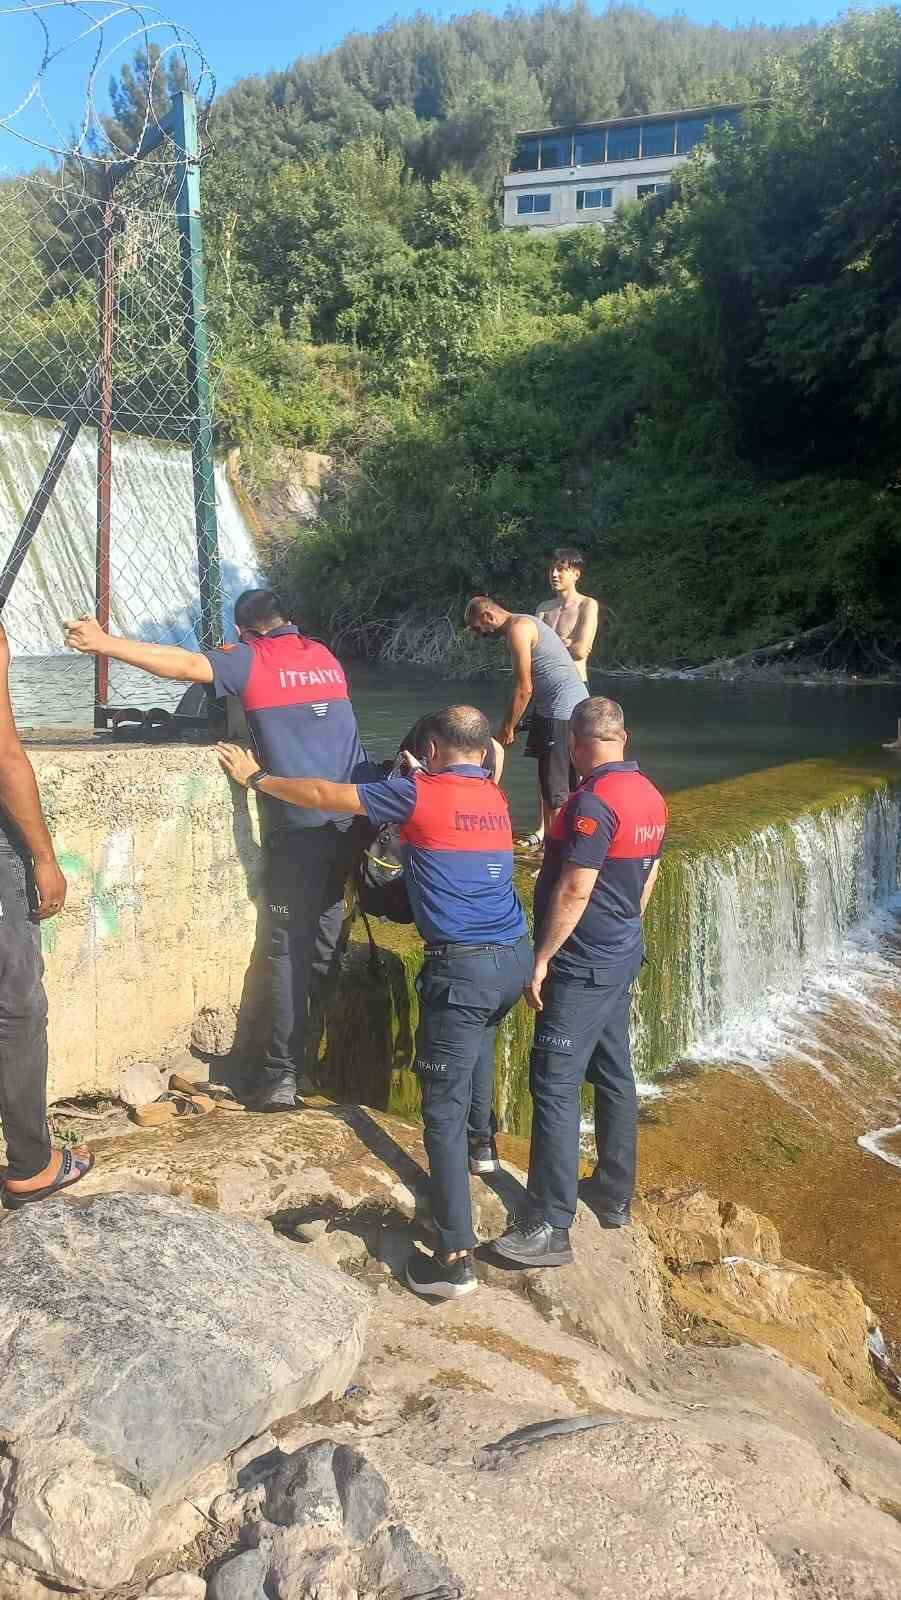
{"x": 543, "y": 671}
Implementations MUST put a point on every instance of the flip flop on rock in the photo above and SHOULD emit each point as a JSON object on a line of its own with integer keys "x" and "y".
{"x": 217, "y": 1092}
{"x": 170, "y": 1106}
{"x": 75, "y": 1165}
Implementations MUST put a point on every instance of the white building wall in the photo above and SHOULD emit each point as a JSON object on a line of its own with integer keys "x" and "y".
{"x": 562, "y": 184}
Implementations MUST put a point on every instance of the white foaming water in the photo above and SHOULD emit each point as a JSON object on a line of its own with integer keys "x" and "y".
{"x": 153, "y": 550}
{"x": 787, "y": 923}
{"x": 874, "y": 1143}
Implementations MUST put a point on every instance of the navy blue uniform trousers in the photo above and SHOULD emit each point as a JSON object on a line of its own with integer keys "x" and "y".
{"x": 306, "y": 873}
{"x": 582, "y": 1032}
{"x": 463, "y": 995}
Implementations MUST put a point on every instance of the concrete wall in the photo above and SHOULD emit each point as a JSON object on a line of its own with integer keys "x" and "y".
{"x": 623, "y": 177}
{"x": 162, "y": 859}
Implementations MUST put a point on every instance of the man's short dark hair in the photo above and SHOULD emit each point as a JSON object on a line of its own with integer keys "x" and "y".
{"x": 566, "y": 556}
{"x": 477, "y": 607}
{"x": 598, "y": 718}
{"x": 461, "y": 728}
{"x": 258, "y": 608}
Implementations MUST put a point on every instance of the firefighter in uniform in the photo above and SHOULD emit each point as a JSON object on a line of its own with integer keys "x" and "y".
{"x": 295, "y": 698}
{"x": 599, "y": 872}
{"x": 458, "y": 867}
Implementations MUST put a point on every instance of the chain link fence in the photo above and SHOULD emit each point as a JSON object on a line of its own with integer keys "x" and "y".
{"x": 108, "y": 488}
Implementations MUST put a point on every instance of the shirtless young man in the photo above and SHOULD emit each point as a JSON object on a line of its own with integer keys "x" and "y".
{"x": 574, "y": 618}
{"x": 572, "y": 615}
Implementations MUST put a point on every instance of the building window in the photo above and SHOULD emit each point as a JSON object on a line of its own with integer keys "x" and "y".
{"x": 624, "y": 144}
{"x": 658, "y": 139}
{"x": 726, "y": 119}
{"x": 690, "y": 131}
{"x": 590, "y": 147}
{"x": 526, "y": 155}
{"x": 526, "y": 204}
{"x": 594, "y": 199}
{"x": 556, "y": 152}
{"x": 644, "y": 189}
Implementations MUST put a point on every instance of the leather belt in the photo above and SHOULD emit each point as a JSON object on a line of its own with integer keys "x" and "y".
{"x": 460, "y": 949}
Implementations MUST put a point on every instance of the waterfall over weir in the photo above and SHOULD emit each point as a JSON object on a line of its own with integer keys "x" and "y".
{"x": 744, "y": 933}
{"x": 153, "y": 557}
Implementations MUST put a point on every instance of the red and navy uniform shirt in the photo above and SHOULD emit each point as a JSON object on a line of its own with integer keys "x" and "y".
{"x": 294, "y": 695}
{"x": 614, "y": 821}
{"x": 457, "y": 853}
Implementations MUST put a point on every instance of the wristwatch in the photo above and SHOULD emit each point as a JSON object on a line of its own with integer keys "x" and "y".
{"x": 257, "y": 777}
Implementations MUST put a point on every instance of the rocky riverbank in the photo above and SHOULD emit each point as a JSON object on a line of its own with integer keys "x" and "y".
{"x": 741, "y": 1443}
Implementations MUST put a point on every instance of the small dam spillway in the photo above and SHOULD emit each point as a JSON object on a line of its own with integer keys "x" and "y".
{"x": 153, "y": 559}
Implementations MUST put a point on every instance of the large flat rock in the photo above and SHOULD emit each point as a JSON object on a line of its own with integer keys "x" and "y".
{"x": 333, "y": 1161}
{"x": 143, "y": 1338}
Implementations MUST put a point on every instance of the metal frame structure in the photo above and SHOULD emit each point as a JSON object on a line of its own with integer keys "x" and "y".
{"x": 94, "y": 404}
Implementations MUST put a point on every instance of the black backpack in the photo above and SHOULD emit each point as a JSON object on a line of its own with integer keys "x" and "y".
{"x": 379, "y": 880}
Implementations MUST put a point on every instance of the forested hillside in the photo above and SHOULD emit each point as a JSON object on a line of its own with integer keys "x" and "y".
{"x": 705, "y": 395}
{"x": 453, "y": 94}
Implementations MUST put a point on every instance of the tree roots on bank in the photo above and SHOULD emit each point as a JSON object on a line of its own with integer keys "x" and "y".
{"x": 833, "y": 649}
{"x": 435, "y": 639}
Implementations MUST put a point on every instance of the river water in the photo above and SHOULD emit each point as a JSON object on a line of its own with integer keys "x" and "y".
{"x": 683, "y": 733}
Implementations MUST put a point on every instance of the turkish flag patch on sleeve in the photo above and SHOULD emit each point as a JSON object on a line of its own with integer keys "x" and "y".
{"x": 587, "y": 825}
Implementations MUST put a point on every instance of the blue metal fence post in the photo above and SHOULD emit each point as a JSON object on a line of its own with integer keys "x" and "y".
{"x": 182, "y": 126}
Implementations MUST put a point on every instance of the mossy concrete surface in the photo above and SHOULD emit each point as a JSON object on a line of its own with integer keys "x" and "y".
{"x": 369, "y": 1039}
{"x": 163, "y": 862}
{"x": 161, "y": 855}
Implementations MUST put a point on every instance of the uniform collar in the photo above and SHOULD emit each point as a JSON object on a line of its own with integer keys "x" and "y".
{"x": 463, "y": 769}
{"x": 611, "y": 766}
{"x": 281, "y": 633}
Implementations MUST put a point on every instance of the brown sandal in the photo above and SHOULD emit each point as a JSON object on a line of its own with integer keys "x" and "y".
{"x": 171, "y": 1106}
{"x": 222, "y": 1097}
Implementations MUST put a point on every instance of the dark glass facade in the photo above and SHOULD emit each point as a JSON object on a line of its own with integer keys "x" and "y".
{"x": 625, "y": 141}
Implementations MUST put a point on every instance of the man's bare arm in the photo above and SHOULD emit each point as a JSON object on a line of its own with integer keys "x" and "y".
{"x": 523, "y": 635}
{"x": 581, "y": 641}
{"x": 313, "y": 794}
{"x": 648, "y": 889}
{"x": 21, "y": 802}
{"x": 162, "y": 660}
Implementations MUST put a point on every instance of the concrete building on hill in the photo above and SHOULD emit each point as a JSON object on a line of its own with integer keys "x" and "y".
{"x": 562, "y": 177}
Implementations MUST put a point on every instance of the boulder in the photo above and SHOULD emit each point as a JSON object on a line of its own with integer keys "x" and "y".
{"x": 322, "y": 1535}
{"x": 240, "y": 1578}
{"x": 303, "y": 1491}
{"x": 817, "y": 1319}
{"x": 332, "y": 1156}
{"x": 17, "y": 1584}
{"x": 363, "y": 1494}
{"x": 176, "y": 1586}
{"x": 338, "y": 1248}
{"x": 214, "y": 1030}
{"x": 690, "y": 1225}
{"x": 395, "y": 1567}
{"x": 327, "y": 1485}
{"x": 305, "y": 1564}
{"x": 141, "y": 1340}
{"x": 140, "y": 1084}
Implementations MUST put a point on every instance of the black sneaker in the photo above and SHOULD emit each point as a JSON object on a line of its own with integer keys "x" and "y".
{"x": 611, "y": 1215}
{"x": 483, "y": 1157}
{"x": 446, "y": 1280}
{"x": 535, "y": 1244}
{"x": 275, "y": 1094}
